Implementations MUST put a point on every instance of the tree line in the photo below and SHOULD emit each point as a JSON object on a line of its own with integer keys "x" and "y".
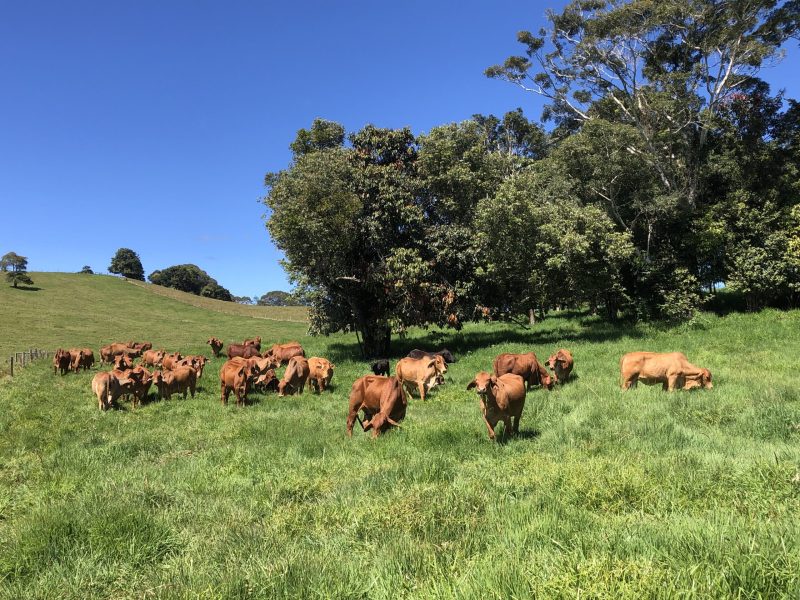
{"x": 667, "y": 168}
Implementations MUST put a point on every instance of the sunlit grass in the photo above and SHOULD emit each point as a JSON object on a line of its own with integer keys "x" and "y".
{"x": 605, "y": 494}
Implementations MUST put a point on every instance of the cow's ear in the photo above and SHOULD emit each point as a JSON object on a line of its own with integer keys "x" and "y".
{"x": 472, "y": 384}
{"x": 432, "y": 363}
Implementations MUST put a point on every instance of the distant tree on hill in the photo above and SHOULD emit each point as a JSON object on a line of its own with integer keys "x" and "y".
{"x": 87, "y": 270}
{"x": 216, "y": 291}
{"x": 19, "y": 269}
{"x": 243, "y": 300}
{"x": 126, "y": 263}
{"x": 192, "y": 279}
{"x": 277, "y": 298}
{"x": 13, "y": 261}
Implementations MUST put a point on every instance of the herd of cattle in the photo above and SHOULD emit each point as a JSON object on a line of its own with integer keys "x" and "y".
{"x": 381, "y": 398}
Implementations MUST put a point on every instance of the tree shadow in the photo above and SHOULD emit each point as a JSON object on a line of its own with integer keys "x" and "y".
{"x": 26, "y": 288}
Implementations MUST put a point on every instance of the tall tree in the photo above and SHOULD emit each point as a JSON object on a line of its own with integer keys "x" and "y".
{"x": 126, "y": 263}
{"x": 13, "y": 261}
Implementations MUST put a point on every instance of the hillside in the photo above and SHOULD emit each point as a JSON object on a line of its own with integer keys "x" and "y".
{"x": 66, "y": 309}
{"x": 604, "y": 494}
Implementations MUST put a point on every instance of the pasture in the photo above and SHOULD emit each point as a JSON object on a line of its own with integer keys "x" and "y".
{"x": 604, "y": 493}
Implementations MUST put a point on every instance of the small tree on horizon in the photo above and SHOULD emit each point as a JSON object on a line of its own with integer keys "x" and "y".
{"x": 87, "y": 270}
{"x": 19, "y": 269}
{"x": 126, "y": 263}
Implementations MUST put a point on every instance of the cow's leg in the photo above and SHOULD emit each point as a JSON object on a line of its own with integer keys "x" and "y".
{"x": 351, "y": 419}
{"x": 490, "y": 427}
{"x": 224, "y": 394}
{"x": 671, "y": 382}
{"x": 421, "y": 388}
{"x": 507, "y": 429}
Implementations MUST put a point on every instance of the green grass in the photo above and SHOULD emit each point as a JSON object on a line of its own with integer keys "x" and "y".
{"x": 605, "y": 494}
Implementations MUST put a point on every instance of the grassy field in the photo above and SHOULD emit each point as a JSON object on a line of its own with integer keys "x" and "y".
{"x": 604, "y": 494}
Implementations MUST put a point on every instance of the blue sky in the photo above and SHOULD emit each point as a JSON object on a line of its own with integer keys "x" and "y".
{"x": 150, "y": 125}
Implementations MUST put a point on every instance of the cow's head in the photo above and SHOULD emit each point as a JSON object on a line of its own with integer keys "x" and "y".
{"x": 705, "y": 379}
{"x": 447, "y": 356}
{"x": 482, "y": 382}
{"x": 440, "y": 364}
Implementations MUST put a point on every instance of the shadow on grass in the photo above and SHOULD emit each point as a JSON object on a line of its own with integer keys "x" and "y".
{"x": 27, "y": 288}
{"x": 524, "y": 434}
{"x": 460, "y": 342}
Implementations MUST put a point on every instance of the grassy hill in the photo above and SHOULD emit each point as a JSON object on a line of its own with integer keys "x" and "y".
{"x": 64, "y": 309}
{"x": 605, "y": 494}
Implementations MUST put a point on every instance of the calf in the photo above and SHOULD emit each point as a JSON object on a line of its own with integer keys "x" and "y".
{"x": 122, "y": 362}
{"x": 422, "y": 373}
{"x": 256, "y": 341}
{"x": 234, "y": 377}
{"x": 526, "y": 366}
{"x": 170, "y": 360}
{"x": 108, "y": 387}
{"x": 216, "y": 345}
{"x": 381, "y": 367}
{"x": 179, "y": 380}
{"x": 266, "y": 382}
{"x": 320, "y": 373}
{"x": 501, "y": 398}
{"x": 142, "y": 379}
{"x": 561, "y": 364}
{"x": 295, "y": 377}
{"x": 381, "y": 398}
{"x": 107, "y": 353}
{"x": 143, "y": 346}
{"x": 197, "y": 362}
{"x": 672, "y": 370}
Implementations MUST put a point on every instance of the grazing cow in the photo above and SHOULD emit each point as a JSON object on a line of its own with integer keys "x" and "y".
{"x": 181, "y": 379}
{"x": 283, "y": 352}
{"x": 107, "y": 353}
{"x": 424, "y": 373}
{"x": 87, "y": 358}
{"x": 243, "y": 351}
{"x": 295, "y": 376}
{"x": 320, "y": 374}
{"x": 266, "y": 382}
{"x": 169, "y": 360}
{"x": 143, "y": 346}
{"x": 381, "y": 398}
{"x": 561, "y": 364}
{"x": 216, "y": 345}
{"x": 256, "y": 341}
{"x": 502, "y": 398}
{"x": 381, "y": 367}
{"x": 108, "y": 386}
{"x": 526, "y": 366}
{"x": 233, "y": 377}
{"x": 444, "y": 353}
{"x": 153, "y": 358}
{"x": 62, "y": 360}
{"x": 672, "y": 370}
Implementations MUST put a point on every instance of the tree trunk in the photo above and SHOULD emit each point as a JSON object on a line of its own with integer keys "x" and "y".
{"x": 531, "y": 316}
{"x": 376, "y": 339}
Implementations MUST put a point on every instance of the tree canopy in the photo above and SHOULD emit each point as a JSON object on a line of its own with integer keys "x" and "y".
{"x": 190, "y": 278}
{"x": 126, "y": 263}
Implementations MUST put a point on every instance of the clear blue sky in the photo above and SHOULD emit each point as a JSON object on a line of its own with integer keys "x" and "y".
{"x": 151, "y": 124}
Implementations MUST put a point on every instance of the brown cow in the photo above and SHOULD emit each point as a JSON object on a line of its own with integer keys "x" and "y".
{"x": 169, "y": 360}
{"x": 281, "y": 353}
{"x": 422, "y": 373}
{"x": 243, "y": 351}
{"x": 108, "y": 387}
{"x": 87, "y": 359}
{"x": 143, "y": 346}
{"x": 295, "y": 376}
{"x": 181, "y": 379}
{"x": 196, "y": 361}
{"x": 526, "y": 366}
{"x": 62, "y": 360}
{"x": 140, "y": 386}
{"x": 672, "y": 370}
{"x": 256, "y": 341}
{"x": 320, "y": 374}
{"x": 266, "y": 382}
{"x": 107, "y": 353}
{"x": 381, "y": 398}
{"x": 561, "y": 364}
{"x": 234, "y": 377}
{"x": 502, "y": 398}
{"x": 216, "y": 345}
{"x": 153, "y": 358}
{"x": 122, "y": 362}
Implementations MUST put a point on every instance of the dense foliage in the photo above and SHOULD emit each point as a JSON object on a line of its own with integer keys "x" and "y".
{"x": 16, "y": 268}
{"x": 670, "y": 168}
{"x": 192, "y": 279}
{"x": 126, "y": 263}
{"x": 277, "y": 298}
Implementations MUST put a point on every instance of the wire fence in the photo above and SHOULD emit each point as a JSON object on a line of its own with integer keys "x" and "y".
{"x": 19, "y": 360}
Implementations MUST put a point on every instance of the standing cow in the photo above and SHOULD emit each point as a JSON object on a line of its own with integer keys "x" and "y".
{"x": 381, "y": 398}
